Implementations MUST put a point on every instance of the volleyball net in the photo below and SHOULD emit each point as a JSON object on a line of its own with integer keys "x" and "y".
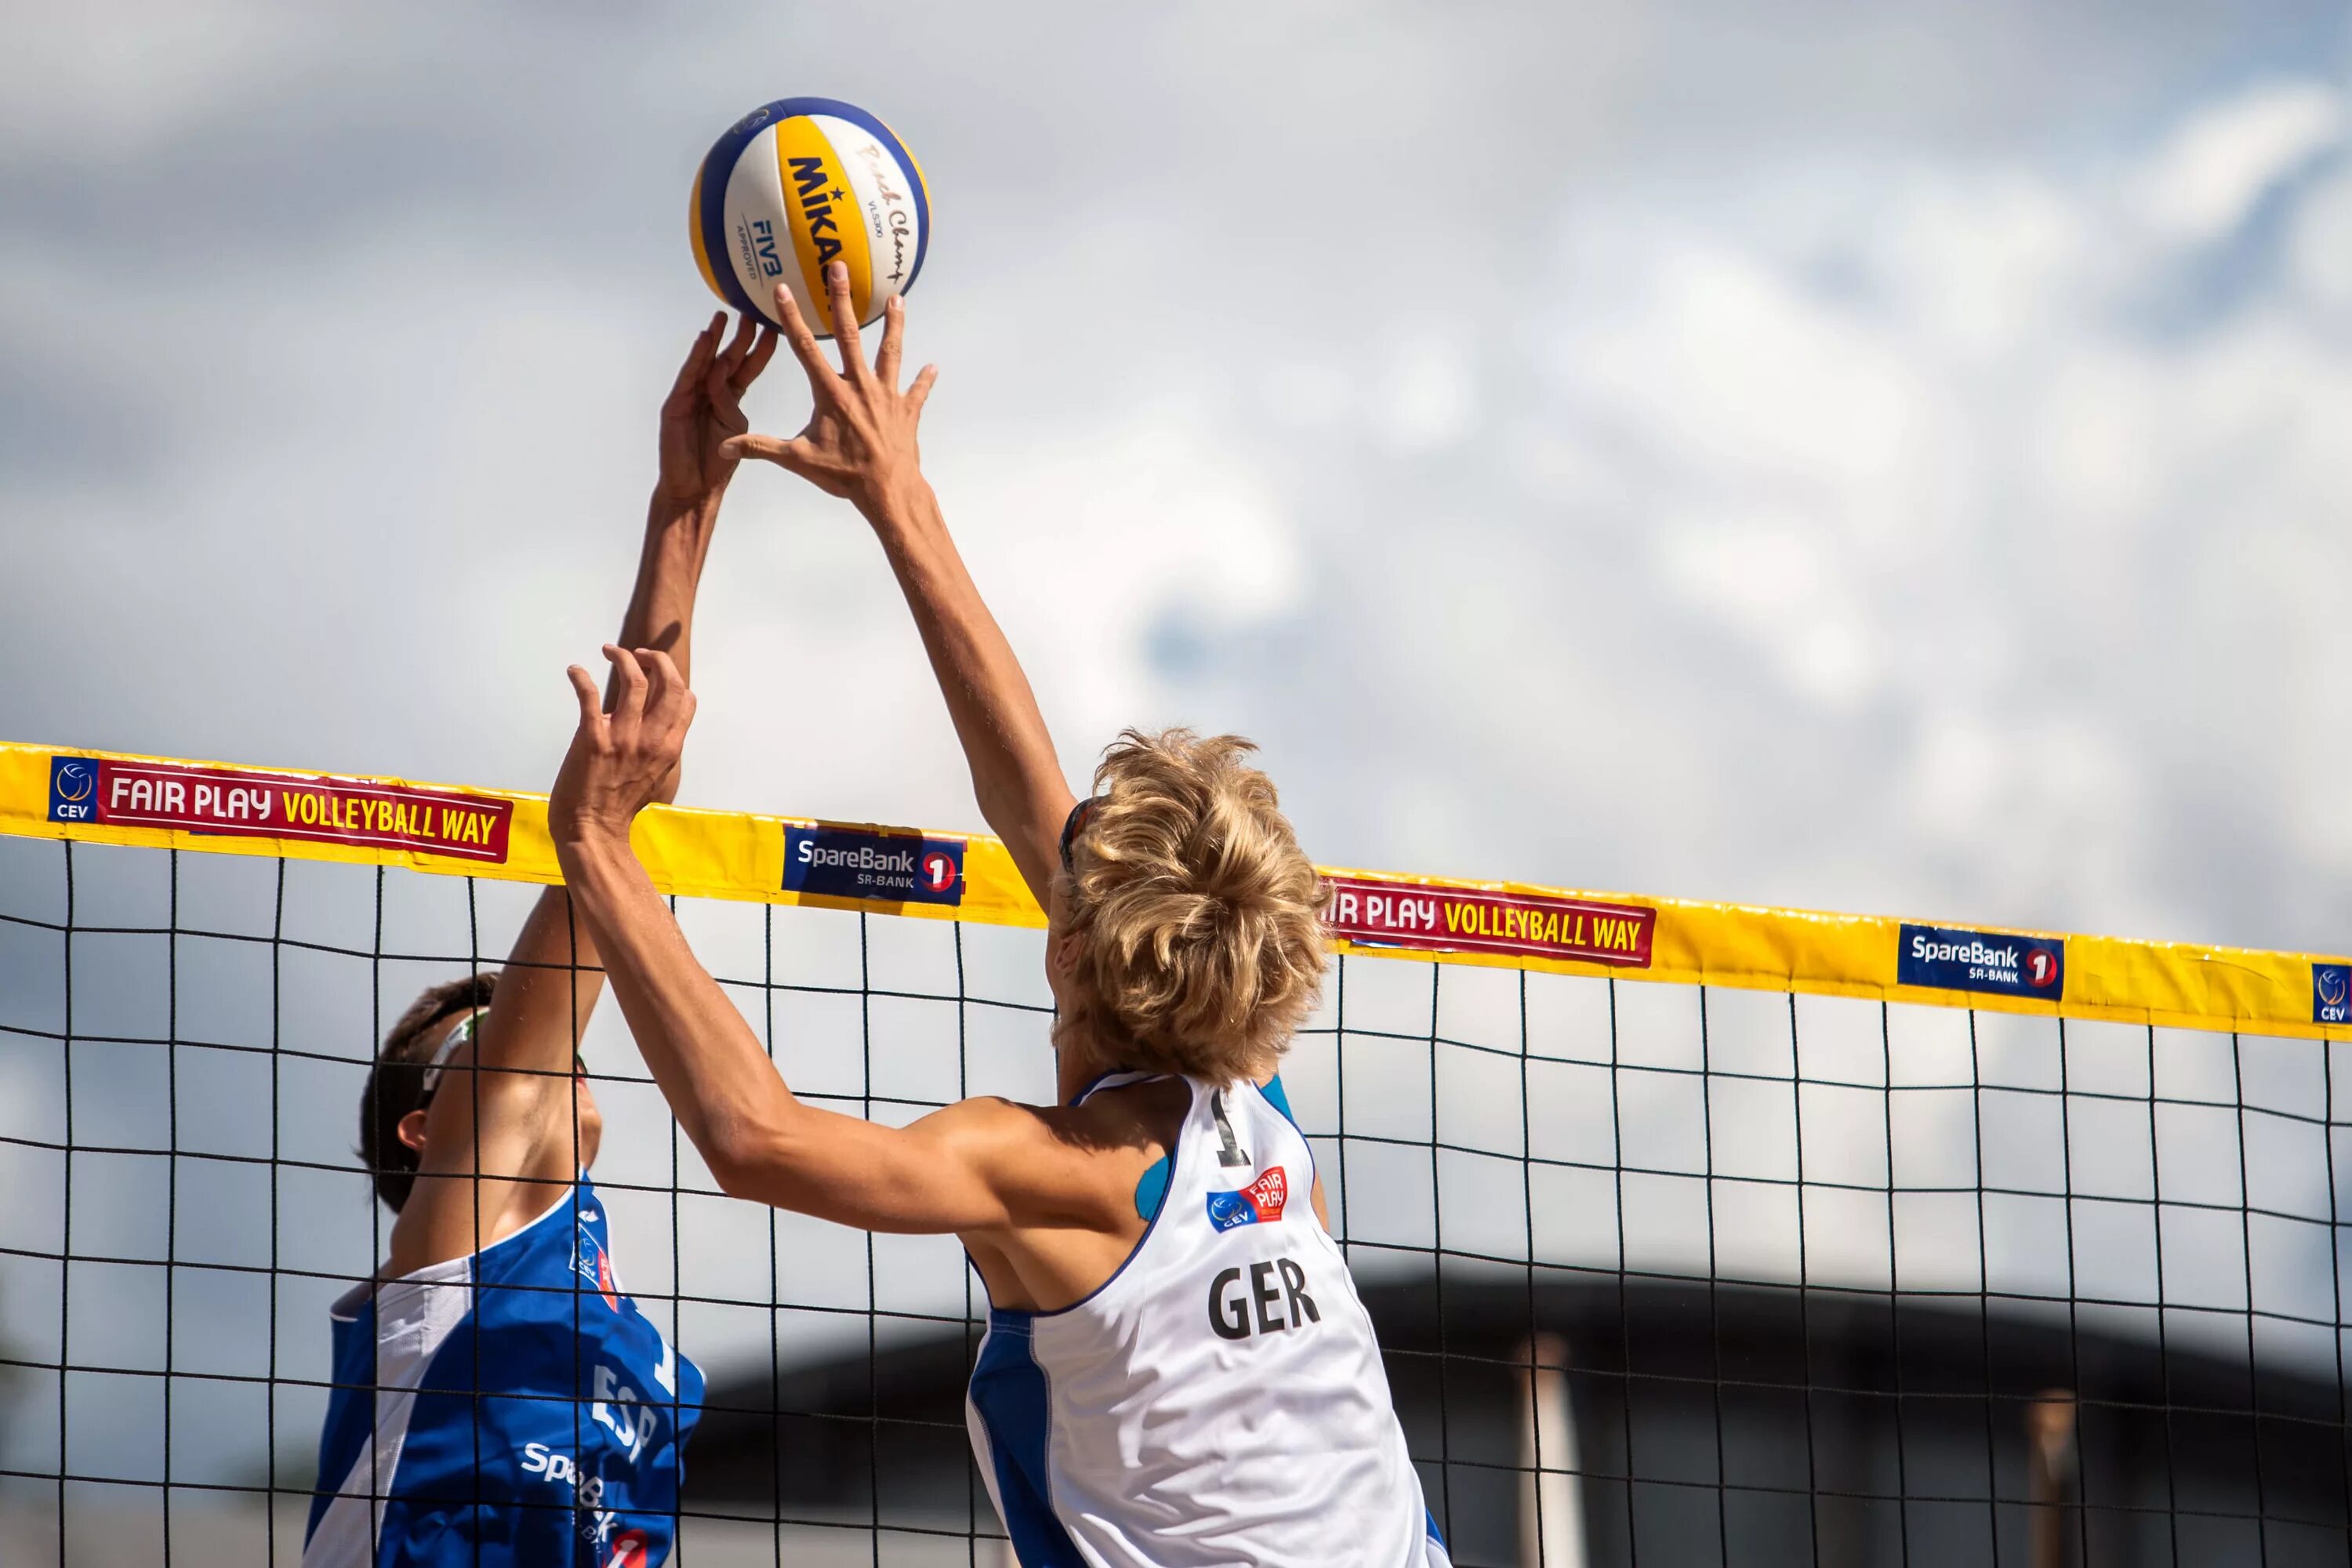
{"x": 1694, "y": 1234}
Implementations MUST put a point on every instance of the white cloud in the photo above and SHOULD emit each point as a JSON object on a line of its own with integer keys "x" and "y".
{"x": 1981, "y": 265}
{"x": 1782, "y": 582}
{"x": 1093, "y": 541}
{"x": 1927, "y": 458}
{"x": 2321, "y": 252}
{"x": 2224, "y": 159}
{"x": 1429, "y": 393}
{"x": 1718, "y": 350}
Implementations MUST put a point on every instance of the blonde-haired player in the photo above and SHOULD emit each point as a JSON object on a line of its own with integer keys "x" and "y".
{"x": 1177, "y": 1370}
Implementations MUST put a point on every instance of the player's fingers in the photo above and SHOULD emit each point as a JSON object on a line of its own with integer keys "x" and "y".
{"x": 845, "y": 322}
{"x": 767, "y": 448}
{"x": 663, "y": 671}
{"x": 805, "y": 348}
{"x": 894, "y": 340}
{"x": 592, "y": 707}
{"x": 670, "y": 701}
{"x": 798, "y": 456}
{"x": 651, "y": 718}
{"x": 628, "y": 703}
{"x": 737, "y": 346}
{"x": 698, "y": 357}
{"x": 658, "y": 674}
{"x": 920, "y": 393}
{"x": 763, "y": 348}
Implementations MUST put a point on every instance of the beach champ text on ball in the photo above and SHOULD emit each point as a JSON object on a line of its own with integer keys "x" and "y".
{"x": 799, "y": 183}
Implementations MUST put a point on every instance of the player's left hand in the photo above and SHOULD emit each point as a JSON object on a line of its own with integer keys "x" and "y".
{"x": 619, "y": 758}
{"x": 705, "y": 408}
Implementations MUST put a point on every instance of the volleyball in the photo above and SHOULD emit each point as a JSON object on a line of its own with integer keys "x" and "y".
{"x": 798, "y": 183}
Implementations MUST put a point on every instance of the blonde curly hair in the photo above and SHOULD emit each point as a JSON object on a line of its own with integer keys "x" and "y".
{"x": 1201, "y": 917}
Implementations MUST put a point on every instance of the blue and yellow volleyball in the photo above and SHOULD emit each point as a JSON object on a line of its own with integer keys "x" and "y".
{"x": 798, "y": 183}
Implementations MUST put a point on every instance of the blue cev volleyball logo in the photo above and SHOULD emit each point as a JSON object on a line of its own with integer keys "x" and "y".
{"x": 73, "y": 789}
{"x": 2331, "y": 993}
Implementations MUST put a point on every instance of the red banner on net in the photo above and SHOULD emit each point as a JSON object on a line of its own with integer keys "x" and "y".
{"x": 1451, "y": 919}
{"x": 240, "y": 803}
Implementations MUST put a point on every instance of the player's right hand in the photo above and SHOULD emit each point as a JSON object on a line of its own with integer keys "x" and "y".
{"x": 619, "y": 758}
{"x": 705, "y": 408}
{"x": 859, "y": 442}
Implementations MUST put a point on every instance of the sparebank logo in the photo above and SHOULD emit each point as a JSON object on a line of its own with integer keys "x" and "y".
{"x": 868, "y": 863}
{"x": 73, "y": 789}
{"x": 1997, "y": 962}
{"x": 2331, "y": 993}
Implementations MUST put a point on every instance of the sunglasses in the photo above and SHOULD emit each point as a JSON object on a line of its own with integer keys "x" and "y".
{"x": 1075, "y": 823}
{"x": 461, "y": 1032}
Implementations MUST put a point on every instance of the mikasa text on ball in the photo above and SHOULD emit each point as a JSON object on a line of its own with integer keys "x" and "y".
{"x": 801, "y": 182}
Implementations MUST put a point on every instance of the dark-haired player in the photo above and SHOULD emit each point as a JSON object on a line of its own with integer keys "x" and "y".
{"x": 499, "y": 1402}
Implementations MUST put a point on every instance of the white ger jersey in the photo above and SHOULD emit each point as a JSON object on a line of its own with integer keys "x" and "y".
{"x": 1220, "y": 1400}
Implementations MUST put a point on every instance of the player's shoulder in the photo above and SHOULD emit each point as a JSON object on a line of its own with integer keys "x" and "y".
{"x": 1117, "y": 1133}
{"x": 997, "y": 1121}
{"x": 1102, "y": 1142}
{"x": 1117, "y": 1111}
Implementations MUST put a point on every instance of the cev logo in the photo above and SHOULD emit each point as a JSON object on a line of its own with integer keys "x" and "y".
{"x": 73, "y": 790}
{"x": 2331, "y": 993}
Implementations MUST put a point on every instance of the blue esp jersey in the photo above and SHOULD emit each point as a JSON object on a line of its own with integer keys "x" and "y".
{"x": 508, "y": 1409}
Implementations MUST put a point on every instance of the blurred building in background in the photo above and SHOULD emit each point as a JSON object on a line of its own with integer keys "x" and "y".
{"x": 1735, "y": 1425}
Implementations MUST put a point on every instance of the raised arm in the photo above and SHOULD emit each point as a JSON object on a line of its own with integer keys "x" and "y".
{"x": 500, "y": 1131}
{"x": 977, "y": 1166}
{"x": 860, "y": 444}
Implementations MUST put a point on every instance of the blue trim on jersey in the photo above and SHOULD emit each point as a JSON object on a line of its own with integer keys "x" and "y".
{"x": 1097, "y": 1081}
{"x": 1140, "y": 1242}
{"x": 1151, "y": 1188}
{"x": 1151, "y": 1221}
{"x": 1016, "y": 1405}
{"x": 1433, "y": 1534}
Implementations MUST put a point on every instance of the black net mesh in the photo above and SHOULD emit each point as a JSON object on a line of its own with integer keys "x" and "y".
{"x": 1664, "y": 1275}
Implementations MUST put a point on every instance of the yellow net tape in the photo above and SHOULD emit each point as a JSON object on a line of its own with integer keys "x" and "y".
{"x": 106, "y": 798}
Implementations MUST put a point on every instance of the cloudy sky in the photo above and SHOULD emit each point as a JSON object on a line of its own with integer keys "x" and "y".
{"x": 1882, "y": 457}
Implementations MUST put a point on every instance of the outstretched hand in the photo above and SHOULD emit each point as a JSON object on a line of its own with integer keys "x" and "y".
{"x": 859, "y": 442}
{"x": 621, "y": 755}
{"x": 705, "y": 409}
